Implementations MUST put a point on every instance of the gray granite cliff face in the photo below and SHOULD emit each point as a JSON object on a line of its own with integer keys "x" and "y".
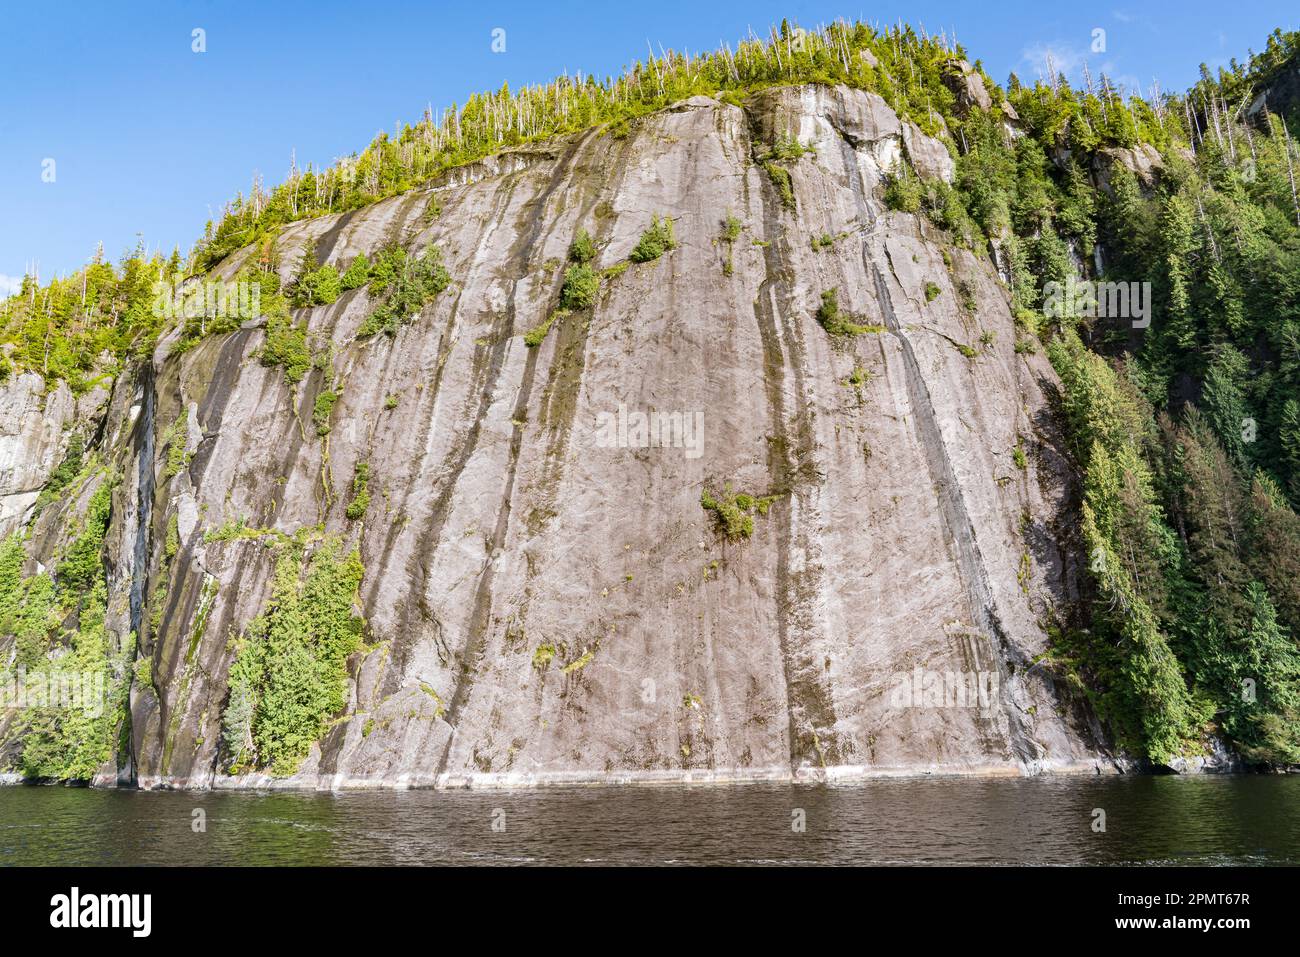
{"x": 544, "y": 604}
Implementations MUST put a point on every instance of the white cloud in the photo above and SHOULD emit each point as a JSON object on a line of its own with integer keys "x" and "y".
{"x": 1069, "y": 59}
{"x": 9, "y": 285}
{"x": 1063, "y": 57}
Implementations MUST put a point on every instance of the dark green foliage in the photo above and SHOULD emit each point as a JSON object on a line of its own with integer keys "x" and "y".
{"x": 289, "y": 674}
{"x": 1199, "y": 513}
{"x": 580, "y": 287}
{"x": 1132, "y": 555}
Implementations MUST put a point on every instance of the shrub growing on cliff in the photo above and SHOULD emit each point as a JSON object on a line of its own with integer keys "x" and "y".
{"x": 357, "y": 274}
{"x": 535, "y": 336}
{"x": 64, "y": 474}
{"x": 72, "y": 744}
{"x": 320, "y": 287}
{"x": 286, "y": 344}
{"x": 780, "y": 177}
{"x": 786, "y": 149}
{"x": 289, "y": 676}
{"x": 903, "y": 191}
{"x": 83, "y": 563}
{"x": 655, "y": 241}
{"x": 241, "y": 707}
{"x": 176, "y": 441}
{"x": 583, "y": 249}
{"x": 580, "y": 287}
{"x": 12, "y": 557}
{"x": 65, "y": 743}
{"x": 406, "y": 284}
{"x": 360, "y": 491}
{"x": 323, "y": 409}
{"x": 731, "y": 229}
{"x": 837, "y": 323}
{"x": 734, "y": 511}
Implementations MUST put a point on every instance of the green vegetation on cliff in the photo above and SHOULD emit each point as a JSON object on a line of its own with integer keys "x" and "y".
{"x": 289, "y": 675}
{"x": 733, "y": 512}
{"x": 403, "y": 285}
{"x": 75, "y": 673}
{"x": 1186, "y": 425}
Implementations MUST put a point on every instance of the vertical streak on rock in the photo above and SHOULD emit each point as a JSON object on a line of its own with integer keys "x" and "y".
{"x": 481, "y": 619}
{"x": 144, "y": 495}
{"x": 485, "y": 377}
{"x": 144, "y": 451}
{"x": 778, "y": 462}
{"x": 952, "y": 510}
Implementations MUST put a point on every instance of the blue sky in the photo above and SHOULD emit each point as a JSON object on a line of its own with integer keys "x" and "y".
{"x": 149, "y": 138}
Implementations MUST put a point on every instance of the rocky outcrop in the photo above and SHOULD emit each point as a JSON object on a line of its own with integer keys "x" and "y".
{"x": 1143, "y": 161}
{"x": 967, "y": 85}
{"x": 1280, "y": 97}
{"x": 544, "y": 604}
{"x": 34, "y": 435}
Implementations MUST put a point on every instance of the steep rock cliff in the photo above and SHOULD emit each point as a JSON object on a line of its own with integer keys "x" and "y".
{"x": 542, "y": 606}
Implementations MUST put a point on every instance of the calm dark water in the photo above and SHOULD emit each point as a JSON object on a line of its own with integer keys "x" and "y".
{"x": 1149, "y": 820}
